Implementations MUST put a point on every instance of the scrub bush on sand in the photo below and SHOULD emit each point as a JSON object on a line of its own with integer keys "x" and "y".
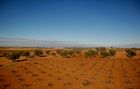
{"x": 13, "y": 56}
{"x": 131, "y": 53}
{"x": 90, "y": 53}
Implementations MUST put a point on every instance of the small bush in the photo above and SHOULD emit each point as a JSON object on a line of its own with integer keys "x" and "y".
{"x": 101, "y": 49}
{"x": 71, "y": 52}
{"x": 38, "y": 52}
{"x": 77, "y": 51}
{"x": 54, "y": 54}
{"x": 27, "y": 54}
{"x": 131, "y": 53}
{"x": 104, "y": 54}
{"x": 112, "y": 52}
{"x": 66, "y": 53}
{"x": 13, "y": 56}
{"x": 21, "y": 53}
{"x": 90, "y": 53}
{"x": 48, "y": 52}
{"x": 59, "y": 51}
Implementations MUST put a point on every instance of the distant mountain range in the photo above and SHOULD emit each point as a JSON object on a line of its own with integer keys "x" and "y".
{"x": 13, "y": 42}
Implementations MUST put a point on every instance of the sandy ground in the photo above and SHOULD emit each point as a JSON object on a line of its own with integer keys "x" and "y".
{"x": 78, "y": 72}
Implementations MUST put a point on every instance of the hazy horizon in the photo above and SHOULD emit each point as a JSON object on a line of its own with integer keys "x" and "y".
{"x": 104, "y": 22}
{"x": 19, "y": 42}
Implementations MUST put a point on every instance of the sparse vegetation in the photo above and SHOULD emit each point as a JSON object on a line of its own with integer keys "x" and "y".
{"x": 38, "y": 52}
{"x": 90, "y": 53}
{"x": 104, "y": 54}
{"x": 53, "y": 53}
{"x": 26, "y": 53}
{"x": 112, "y": 52}
{"x": 13, "y": 56}
{"x": 48, "y": 52}
{"x": 101, "y": 49}
{"x": 67, "y": 69}
{"x": 66, "y": 53}
{"x": 131, "y": 52}
{"x": 77, "y": 51}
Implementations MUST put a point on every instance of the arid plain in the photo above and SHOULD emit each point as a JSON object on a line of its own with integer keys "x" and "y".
{"x": 69, "y": 68}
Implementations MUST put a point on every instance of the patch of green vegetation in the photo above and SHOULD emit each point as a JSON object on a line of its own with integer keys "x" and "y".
{"x": 38, "y": 52}
{"x": 90, "y": 53}
{"x": 66, "y": 53}
{"x": 131, "y": 52}
{"x": 13, "y": 56}
{"x": 104, "y": 54}
{"x": 112, "y": 52}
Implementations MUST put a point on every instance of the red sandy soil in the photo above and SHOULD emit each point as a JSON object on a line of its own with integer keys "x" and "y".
{"x": 78, "y": 72}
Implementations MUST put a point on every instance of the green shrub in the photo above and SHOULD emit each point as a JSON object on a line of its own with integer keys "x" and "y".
{"x": 112, "y": 52}
{"x": 77, "y": 51}
{"x": 38, "y": 52}
{"x": 101, "y": 49}
{"x": 13, "y": 56}
{"x": 104, "y": 54}
{"x": 59, "y": 51}
{"x": 90, "y": 53}
{"x": 71, "y": 52}
{"x": 66, "y": 53}
{"x": 131, "y": 53}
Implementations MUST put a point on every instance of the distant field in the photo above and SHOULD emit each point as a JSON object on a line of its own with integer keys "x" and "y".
{"x": 71, "y": 68}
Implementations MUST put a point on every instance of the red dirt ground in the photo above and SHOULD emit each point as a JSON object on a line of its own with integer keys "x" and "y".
{"x": 71, "y": 73}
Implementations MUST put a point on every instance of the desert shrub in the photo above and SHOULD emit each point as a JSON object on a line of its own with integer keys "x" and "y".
{"x": 77, "y": 51}
{"x": 53, "y": 53}
{"x": 101, "y": 49}
{"x": 71, "y": 52}
{"x": 13, "y": 56}
{"x": 21, "y": 53}
{"x": 112, "y": 52}
{"x": 135, "y": 49}
{"x": 26, "y": 53}
{"x": 90, "y": 53}
{"x": 38, "y": 52}
{"x": 104, "y": 54}
{"x": 131, "y": 53}
{"x": 48, "y": 52}
{"x": 59, "y": 51}
{"x": 66, "y": 53}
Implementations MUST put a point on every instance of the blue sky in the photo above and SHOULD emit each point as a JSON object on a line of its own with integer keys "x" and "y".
{"x": 104, "y": 22}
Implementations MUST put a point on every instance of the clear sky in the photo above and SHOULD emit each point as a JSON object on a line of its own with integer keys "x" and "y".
{"x": 103, "y": 22}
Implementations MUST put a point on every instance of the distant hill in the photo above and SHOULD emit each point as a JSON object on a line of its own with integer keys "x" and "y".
{"x": 13, "y": 42}
{"x": 129, "y": 46}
